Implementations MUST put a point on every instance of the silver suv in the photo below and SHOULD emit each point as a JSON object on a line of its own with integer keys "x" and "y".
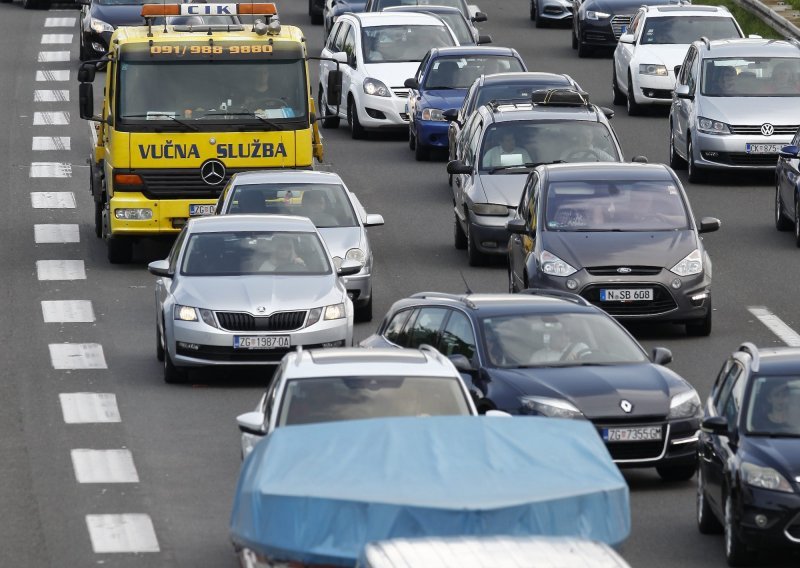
{"x": 735, "y": 105}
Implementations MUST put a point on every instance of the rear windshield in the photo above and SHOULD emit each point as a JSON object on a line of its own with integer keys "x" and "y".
{"x": 326, "y": 204}
{"x": 396, "y": 44}
{"x": 461, "y": 72}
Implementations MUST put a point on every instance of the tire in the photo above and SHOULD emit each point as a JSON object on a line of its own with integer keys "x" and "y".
{"x": 675, "y": 161}
{"x": 676, "y": 472}
{"x": 35, "y": 4}
{"x": 98, "y": 219}
{"x": 172, "y": 374}
{"x": 412, "y": 142}
{"x": 707, "y": 522}
{"x": 120, "y": 250}
{"x": 357, "y": 131}
{"x": 512, "y": 289}
{"x": 574, "y": 39}
{"x": 532, "y": 5}
{"x": 540, "y": 22}
{"x": 736, "y": 551}
{"x": 459, "y": 238}
{"x": 422, "y": 153}
{"x": 782, "y": 222}
{"x": 364, "y": 313}
{"x": 583, "y": 50}
{"x": 700, "y": 328}
{"x": 696, "y": 175}
{"x": 616, "y": 94}
{"x": 797, "y": 223}
{"x": 316, "y": 17}
{"x": 159, "y": 345}
{"x": 476, "y": 257}
{"x": 333, "y": 121}
{"x": 83, "y": 53}
{"x": 634, "y": 108}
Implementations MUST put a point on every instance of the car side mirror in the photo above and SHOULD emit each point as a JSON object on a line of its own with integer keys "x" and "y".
{"x": 640, "y": 160}
{"x": 349, "y": 267}
{"x": 661, "y": 356}
{"x": 790, "y": 151}
{"x": 461, "y": 363}
{"x": 517, "y": 226}
{"x": 715, "y": 425}
{"x": 450, "y": 115}
{"x": 458, "y": 167}
{"x": 251, "y": 423}
{"x": 411, "y": 83}
{"x": 483, "y": 39}
{"x": 373, "y": 220}
{"x": 677, "y": 69}
{"x": 340, "y": 57}
{"x": 159, "y": 268}
{"x": 608, "y": 112}
{"x": 86, "y": 72}
{"x": 626, "y": 38}
{"x": 709, "y": 225}
{"x": 682, "y": 92}
{"x": 479, "y": 17}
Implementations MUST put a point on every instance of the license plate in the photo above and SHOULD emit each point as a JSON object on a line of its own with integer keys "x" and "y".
{"x": 261, "y": 342}
{"x": 636, "y": 434}
{"x": 201, "y": 210}
{"x": 627, "y": 295}
{"x": 763, "y": 148}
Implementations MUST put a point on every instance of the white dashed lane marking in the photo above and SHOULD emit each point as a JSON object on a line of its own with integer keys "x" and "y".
{"x": 46, "y": 96}
{"x": 776, "y": 325}
{"x": 56, "y": 234}
{"x": 89, "y": 407}
{"x": 53, "y": 39}
{"x": 53, "y": 75}
{"x": 50, "y": 170}
{"x": 52, "y": 56}
{"x": 59, "y": 22}
{"x": 60, "y": 270}
{"x": 57, "y": 118}
{"x": 45, "y": 143}
{"x": 104, "y": 466}
{"x": 122, "y": 533}
{"x": 67, "y": 311}
{"x": 67, "y": 356}
{"x": 53, "y": 200}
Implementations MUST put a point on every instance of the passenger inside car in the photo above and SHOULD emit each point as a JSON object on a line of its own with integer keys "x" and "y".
{"x": 315, "y": 206}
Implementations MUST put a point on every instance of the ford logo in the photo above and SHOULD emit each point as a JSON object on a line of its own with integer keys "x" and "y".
{"x": 624, "y": 270}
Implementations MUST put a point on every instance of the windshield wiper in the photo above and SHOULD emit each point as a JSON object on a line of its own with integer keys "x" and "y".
{"x": 525, "y": 165}
{"x": 159, "y": 117}
{"x": 268, "y": 122}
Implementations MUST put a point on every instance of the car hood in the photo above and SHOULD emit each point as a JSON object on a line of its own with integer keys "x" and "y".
{"x": 125, "y": 15}
{"x": 443, "y": 98}
{"x": 782, "y": 454}
{"x": 656, "y": 248}
{"x": 597, "y": 390}
{"x": 245, "y": 293}
{"x": 342, "y": 239}
{"x": 751, "y": 110}
{"x": 393, "y": 75}
{"x": 344, "y": 6}
{"x": 503, "y": 189}
{"x": 618, "y": 6}
{"x": 668, "y": 55}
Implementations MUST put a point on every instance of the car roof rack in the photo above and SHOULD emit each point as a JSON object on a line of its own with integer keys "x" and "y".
{"x": 575, "y": 298}
{"x": 494, "y": 104}
{"x": 562, "y": 96}
{"x": 461, "y": 298}
{"x": 752, "y": 350}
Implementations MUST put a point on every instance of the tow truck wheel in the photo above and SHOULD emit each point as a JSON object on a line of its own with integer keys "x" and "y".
{"x": 120, "y": 250}
{"x": 98, "y": 219}
{"x": 34, "y": 4}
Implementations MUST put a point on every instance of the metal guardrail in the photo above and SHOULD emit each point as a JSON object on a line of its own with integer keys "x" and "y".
{"x": 771, "y": 17}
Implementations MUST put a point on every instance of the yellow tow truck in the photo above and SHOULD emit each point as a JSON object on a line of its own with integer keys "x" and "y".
{"x": 192, "y": 97}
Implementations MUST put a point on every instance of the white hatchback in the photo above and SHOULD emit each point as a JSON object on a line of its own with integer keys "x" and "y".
{"x": 376, "y": 53}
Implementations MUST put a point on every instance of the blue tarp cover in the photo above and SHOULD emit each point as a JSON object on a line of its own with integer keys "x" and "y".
{"x": 318, "y": 493}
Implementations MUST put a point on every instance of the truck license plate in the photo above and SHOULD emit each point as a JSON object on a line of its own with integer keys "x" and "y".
{"x": 201, "y": 209}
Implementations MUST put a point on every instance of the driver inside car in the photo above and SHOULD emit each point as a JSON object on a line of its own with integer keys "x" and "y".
{"x": 507, "y": 153}
{"x": 560, "y": 346}
{"x": 584, "y": 147}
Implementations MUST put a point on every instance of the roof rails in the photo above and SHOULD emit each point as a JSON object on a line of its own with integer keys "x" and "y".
{"x": 574, "y": 298}
{"x": 562, "y": 96}
{"x": 462, "y": 298}
{"x": 706, "y": 41}
{"x": 794, "y": 41}
{"x": 751, "y": 350}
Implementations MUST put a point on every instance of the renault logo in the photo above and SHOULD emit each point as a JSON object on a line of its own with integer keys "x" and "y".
{"x": 624, "y": 270}
{"x": 261, "y": 309}
{"x": 767, "y": 129}
{"x": 626, "y": 406}
{"x": 212, "y": 172}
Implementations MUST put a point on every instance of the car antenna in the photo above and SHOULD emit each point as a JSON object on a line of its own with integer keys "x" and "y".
{"x": 469, "y": 292}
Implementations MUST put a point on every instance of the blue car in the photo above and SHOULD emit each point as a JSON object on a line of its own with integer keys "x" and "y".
{"x": 787, "y": 189}
{"x": 441, "y": 83}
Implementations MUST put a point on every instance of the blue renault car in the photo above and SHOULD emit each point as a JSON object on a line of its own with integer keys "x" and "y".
{"x": 441, "y": 83}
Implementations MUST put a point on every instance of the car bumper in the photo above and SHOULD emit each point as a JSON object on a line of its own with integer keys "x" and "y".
{"x": 782, "y": 513}
{"x": 489, "y": 233}
{"x": 678, "y": 446}
{"x": 382, "y": 112}
{"x": 432, "y": 133}
{"x": 730, "y": 151}
{"x": 555, "y": 11}
{"x": 359, "y": 287}
{"x": 653, "y": 89}
{"x": 691, "y": 301}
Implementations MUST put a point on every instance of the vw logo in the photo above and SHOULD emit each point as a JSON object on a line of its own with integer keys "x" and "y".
{"x": 767, "y": 129}
{"x": 626, "y": 406}
{"x": 261, "y": 309}
{"x": 213, "y": 172}
{"x": 624, "y": 270}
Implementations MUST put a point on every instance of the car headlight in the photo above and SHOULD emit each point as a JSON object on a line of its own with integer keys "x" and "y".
{"x": 554, "y": 266}
{"x": 334, "y": 312}
{"x": 490, "y": 209}
{"x": 185, "y": 313}
{"x": 710, "y": 126}
{"x": 377, "y": 88}
{"x": 99, "y": 26}
{"x": 764, "y": 478}
{"x": 433, "y": 114}
{"x": 692, "y": 264}
{"x": 249, "y": 442}
{"x": 551, "y": 407}
{"x": 355, "y": 254}
{"x": 593, "y": 15}
{"x": 653, "y": 69}
{"x": 685, "y": 405}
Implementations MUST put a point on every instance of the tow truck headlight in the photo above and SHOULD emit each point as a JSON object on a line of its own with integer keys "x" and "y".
{"x": 99, "y": 26}
{"x": 133, "y": 214}
{"x": 652, "y": 69}
{"x": 433, "y": 114}
{"x": 377, "y": 88}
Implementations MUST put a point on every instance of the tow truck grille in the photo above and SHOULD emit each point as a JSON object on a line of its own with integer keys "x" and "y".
{"x": 178, "y": 184}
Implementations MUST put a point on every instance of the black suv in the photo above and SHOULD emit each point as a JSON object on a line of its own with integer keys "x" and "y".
{"x": 551, "y": 353}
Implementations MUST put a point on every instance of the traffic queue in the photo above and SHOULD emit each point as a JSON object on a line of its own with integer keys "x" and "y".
{"x": 272, "y": 265}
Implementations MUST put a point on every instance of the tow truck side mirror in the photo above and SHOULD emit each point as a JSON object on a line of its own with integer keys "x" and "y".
{"x": 86, "y": 101}
{"x": 334, "y": 88}
{"x": 86, "y": 72}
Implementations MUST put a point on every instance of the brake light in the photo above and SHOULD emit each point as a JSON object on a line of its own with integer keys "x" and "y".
{"x": 128, "y": 179}
{"x": 152, "y": 10}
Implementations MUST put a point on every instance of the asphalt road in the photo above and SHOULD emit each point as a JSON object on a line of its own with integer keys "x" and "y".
{"x": 182, "y": 439}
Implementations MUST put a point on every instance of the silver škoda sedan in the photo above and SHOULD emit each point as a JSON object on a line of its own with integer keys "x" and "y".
{"x": 246, "y": 289}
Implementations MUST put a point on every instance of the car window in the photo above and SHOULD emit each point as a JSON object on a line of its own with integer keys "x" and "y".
{"x": 336, "y": 37}
{"x": 272, "y": 392}
{"x": 733, "y": 403}
{"x": 395, "y": 328}
{"x": 461, "y": 72}
{"x": 459, "y": 26}
{"x": 751, "y": 77}
{"x": 467, "y": 106}
{"x": 532, "y": 204}
{"x": 457, "y": 336}
{"x": 686, "y": 66}
{"x": 637, "y": 20}
{"x": 349, "y": 44}
{"x": 466, "y": 135}
{"x": 326, "y": 204}
{"x": 176, "y": 251}
{"x": 720, "y": 380}
{"x": 471, "y": 149}
{"x": 686, "y": 29}
{"x": 394, "y": 44}
{"x": 724, "y": 393}
{"x": 426, "y": 327}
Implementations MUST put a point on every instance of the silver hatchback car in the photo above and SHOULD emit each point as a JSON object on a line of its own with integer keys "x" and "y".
{"x": 246, "y": 289}
{"x": 735, "y": 105}
{"x": 322, "y": 197}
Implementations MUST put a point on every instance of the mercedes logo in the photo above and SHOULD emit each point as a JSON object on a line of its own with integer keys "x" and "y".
{"x": 261, "y": 309}
{"x": 626, "y": 406}
{"x": 767, "y": 129}
{"x": 213, "y": 172}
{"x": 624, "y": 270}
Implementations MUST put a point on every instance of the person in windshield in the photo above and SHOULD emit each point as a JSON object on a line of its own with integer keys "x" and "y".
{"x": 724, "y": 81}
{"x": 783, "y": 80}
{"x": 559, "y": 346}
{"x": 315, "y": 207}
{"x": 584, "y": 146}
{"x": 507, "y": 153}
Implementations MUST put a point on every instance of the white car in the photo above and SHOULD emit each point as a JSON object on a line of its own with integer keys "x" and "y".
{"x": 350, "y": 383}
{"x": 376, "y": 53}
{"x": 656, "y": 42}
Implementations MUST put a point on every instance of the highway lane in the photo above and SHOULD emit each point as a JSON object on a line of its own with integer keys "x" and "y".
{"x": 182, "y": 439}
